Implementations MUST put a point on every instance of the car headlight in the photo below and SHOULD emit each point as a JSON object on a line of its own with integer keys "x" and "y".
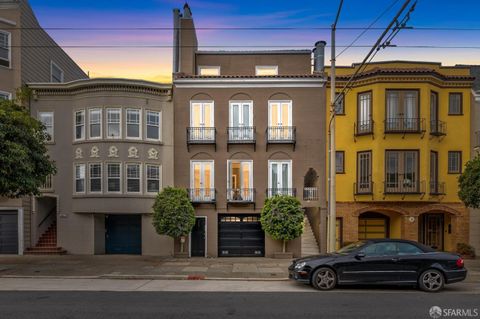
{"x": 300, "y": 265}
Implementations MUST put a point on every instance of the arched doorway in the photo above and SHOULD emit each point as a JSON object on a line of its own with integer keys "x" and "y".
{"x": 373, "y": 225}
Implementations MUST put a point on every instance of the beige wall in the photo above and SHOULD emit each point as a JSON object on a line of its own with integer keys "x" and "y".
{"x": 81, "y": 217}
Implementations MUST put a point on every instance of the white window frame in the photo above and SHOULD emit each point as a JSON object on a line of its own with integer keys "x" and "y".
{"x": 203, "y": 102}
{"x": 231, "y": 103}
{"x": 108, "y": 123}
{"x": 280, "y": 102}
{"x": 139, "y": 123}
{"x": 212, "y": 178}
{"x": 280, "y": 162}
{"x": 213, "y": 67}
{"x": 52, "y": 136}
{"x": 139, "y": 177}
{"x": 7, "y": 94}
{"x": 75, "y": 125}
{"x": 90, "y": 178}
{"x": 75, "y": 165}
{"x": 159, "y": 178}
{"x": 52, "y": 65}
{"x": 108, "y": 177}
{"x": 90, "y": 123}
{"x": 266, "y": 67}
{"x": 9, "y": 36}
{"x": 159, "y": 125}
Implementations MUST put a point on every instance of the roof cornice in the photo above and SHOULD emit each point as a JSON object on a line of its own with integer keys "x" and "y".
{"x": 235, "y": 82}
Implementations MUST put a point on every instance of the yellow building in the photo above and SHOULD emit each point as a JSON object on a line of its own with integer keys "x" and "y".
{"x": 403, "y": 137}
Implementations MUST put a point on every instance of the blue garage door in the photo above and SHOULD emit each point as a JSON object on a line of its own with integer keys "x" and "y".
{"x": 123, "y": 234}
{"x": 8, "y": 232}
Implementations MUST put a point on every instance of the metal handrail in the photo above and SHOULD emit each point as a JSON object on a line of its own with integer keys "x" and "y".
{"x": 281, "y": 133}
{"x": 404, "y": 125}
{"x": 281, "y": 191}
{"x": 241, "y": 134}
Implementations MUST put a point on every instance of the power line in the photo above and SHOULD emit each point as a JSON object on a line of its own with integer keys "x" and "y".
{"x": 234, "y": 28}
{"x": 133, "y": 46}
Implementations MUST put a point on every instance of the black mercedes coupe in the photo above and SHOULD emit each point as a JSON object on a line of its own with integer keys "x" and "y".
{"x": 380, "y": 261}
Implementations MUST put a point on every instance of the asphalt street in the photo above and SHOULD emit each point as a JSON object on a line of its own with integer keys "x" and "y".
{"x": 341, "y": 303}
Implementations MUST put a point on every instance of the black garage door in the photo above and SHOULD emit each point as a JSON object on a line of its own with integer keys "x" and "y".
{"x": 123, "y": 234}
{"x": 8, "y": 232}
{"x": 240, "y": 236}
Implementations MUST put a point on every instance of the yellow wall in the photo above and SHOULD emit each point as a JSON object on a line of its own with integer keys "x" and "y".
{"x": 457, "y": 134}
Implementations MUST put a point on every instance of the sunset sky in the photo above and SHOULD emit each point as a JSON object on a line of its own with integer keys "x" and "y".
{"x": 155, "y": 63}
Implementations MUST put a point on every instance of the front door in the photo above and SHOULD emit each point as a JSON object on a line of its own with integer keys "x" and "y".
{"x": 8, "y": 232}
{"x": 202, "y": 181}
{"x": 431, "y": 230}
{"x": 198, "y": 237}
{"x": 280, "y": 178}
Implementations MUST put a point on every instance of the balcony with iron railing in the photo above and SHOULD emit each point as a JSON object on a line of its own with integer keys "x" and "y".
{"x": 437, "y": 188}
{"x": 47, "y": 185}
{"x": 202, "y": 195}
{"x": 363, "y": 187}
{"x": 404, "y": 125}
{"x": 438, "y": 128}
{"x": 404, "y": 185}
{"x": 241, "y": 135}
{"x": 240, "y": 196}
{"x": 281, "y": 135}
{"x": 201, "y": 135}
{"x": 310, "y": 193}
{"x": 363, "y": 128}
{"x": 281, "y": 191}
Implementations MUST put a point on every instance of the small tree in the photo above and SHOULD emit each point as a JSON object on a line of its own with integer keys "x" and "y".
{"x": 24, "y": 162}
{"x": 282, "y": 218}
{"x": 469, "y": 184}
{"x": 173, "y": 214}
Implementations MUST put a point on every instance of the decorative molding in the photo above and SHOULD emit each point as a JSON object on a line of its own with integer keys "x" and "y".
{"x": 132, "y": 152}
{"x": 94, "y": 152}
{"x": 152, "y": 154}
{"x": 78, "y": 153}
{"x": 112, "y": 151}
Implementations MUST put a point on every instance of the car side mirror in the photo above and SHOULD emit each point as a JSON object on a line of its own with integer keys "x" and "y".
{"x": 360, "y": 255}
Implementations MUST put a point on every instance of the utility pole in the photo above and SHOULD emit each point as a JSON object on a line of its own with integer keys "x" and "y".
{"x": 332, "y": 216}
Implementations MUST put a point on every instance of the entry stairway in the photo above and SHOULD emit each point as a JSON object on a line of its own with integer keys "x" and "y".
{"x": 309, "y": 242}
{"x": 47, "y": 244}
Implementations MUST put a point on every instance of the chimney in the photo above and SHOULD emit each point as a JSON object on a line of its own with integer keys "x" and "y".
{"x": 319, "y": 57}
{"x": 176, "y": 40}
{"x": 187, "y": 13}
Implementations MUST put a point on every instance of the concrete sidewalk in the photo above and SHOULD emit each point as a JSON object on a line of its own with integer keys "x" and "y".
{"x": 150, "y": 268}
{"x": 143, "y": 267}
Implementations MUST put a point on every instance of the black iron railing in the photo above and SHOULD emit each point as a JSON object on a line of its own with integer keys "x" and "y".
{"x": 364, "y": 127}
{"x": 404, "y": 125}
{"x": 201, "y": 135}
{"x": 281, "y": 134}
{"x": 202, "y": 195}
{"x": 438, "y": 128}
{"x": 244, "y": 134}
{"x": 437, "y": 188}
{"x": 403, "y": 185}
{"x": 241, "y": 195}
{"x": 281, "y": 191}
{"x": 363, "y": 187}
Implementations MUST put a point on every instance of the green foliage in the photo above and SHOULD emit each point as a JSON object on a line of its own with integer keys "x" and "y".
{"x": 23, "y": 95}
{"x": 24, "y": 162}
{"x": 469, "y": 184}
{"x": 173, "y": 214}
{"x": 282, "y": 217}
{"x": 466, "y": 250}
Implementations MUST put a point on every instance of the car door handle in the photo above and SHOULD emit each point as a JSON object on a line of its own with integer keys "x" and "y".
{"x": 394, "y": 259}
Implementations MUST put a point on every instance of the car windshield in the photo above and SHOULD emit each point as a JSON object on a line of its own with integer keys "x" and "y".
{"x": 349, "y": 248}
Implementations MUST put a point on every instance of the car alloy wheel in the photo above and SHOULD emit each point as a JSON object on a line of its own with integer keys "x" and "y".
{"x": 324, "y": 279}
{"x": 431, "y": 280}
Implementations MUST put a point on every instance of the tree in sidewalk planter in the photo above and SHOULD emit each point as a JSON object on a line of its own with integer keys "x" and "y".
{"x": 173, "y": 214}
{"x": 282, "y": 218}
{"x": 469, "y": 184}
{"x": 24, "y": 162}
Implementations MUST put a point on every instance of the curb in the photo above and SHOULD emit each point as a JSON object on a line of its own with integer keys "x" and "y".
{"x": 146, "y": 277}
